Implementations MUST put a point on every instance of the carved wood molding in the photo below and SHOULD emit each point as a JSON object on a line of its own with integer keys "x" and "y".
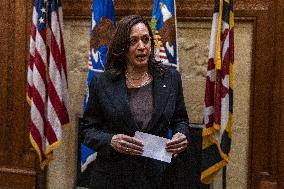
{"x": 81, "y": 9}
{"x": 29, "y": 172}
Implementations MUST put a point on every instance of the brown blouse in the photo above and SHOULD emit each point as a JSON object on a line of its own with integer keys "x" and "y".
{"x": 141, "y": 104}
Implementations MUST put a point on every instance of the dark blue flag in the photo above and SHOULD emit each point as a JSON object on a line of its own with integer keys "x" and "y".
{"x": 163, "y": 24}
{"x": 101, "y": 30}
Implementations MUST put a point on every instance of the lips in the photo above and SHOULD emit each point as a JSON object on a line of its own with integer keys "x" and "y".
{"x": 141, "y": 57}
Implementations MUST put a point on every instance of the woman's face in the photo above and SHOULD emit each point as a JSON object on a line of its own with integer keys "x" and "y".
{"x": 140, "y": 46}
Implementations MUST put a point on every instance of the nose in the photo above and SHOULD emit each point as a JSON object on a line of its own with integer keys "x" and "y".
{"x": 141, "y": 44}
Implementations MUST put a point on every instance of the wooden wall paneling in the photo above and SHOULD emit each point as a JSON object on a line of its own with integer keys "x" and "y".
{"x": 261, "y": 107}
{"x": 5, "y": 29}
{"x": 18, "y": 165}
{"x": 278, "y": 100}
{"x": 17, "y": 83}
{"x": 269, "y": 178}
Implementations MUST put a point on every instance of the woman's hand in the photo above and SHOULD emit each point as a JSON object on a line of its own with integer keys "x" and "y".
{"x": 177, "y": 144}
{"x": 126, "y": 144}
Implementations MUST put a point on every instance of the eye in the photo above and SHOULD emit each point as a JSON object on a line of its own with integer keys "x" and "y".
{"x": 133, "y": 41}
{"x": 145, "y": 39}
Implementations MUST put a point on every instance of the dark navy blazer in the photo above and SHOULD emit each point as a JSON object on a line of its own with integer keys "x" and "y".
{"x": 108, "y": 113}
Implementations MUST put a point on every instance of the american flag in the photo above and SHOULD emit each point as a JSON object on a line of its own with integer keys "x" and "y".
{"x": 47, "y": 79}
{"x": 219, "y": 92}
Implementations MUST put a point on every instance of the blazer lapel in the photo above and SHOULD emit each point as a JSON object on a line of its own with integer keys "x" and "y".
{"x": 118, "y": 94}
{"x": 161, "y": 89}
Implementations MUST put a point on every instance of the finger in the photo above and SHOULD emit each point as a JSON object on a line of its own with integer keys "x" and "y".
{"x": 127, "y": 150}
{"x": 134, "y": 144}
{"x": 176, "y": 150}
{"x": 129, "y": 139}
{"x": 135, "y": 147}
{"x": 175, "y": 155}
{"x": 122, "y": 149}
{"x": 117, "y": 142}
{"x": 179, "y": 145}
{"x": 134, "y": 141}
{"x": 126, "y": 144}
{"x": 176, "y": 141}
{"x": 119, "y": 148}
{"x": 135, "y": 152}
{"x": 177, "y": 135}
{"x": 131, "y": 145}
{"x": 177, "y": 138}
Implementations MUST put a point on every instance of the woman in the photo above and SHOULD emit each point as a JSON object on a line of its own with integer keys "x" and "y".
{"x": 135, "y": 93}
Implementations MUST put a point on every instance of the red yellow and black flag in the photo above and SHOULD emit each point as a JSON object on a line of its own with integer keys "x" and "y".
{"x": 218, "y": 110}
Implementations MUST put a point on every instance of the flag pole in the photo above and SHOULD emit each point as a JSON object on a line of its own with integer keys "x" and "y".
{"x": 177, "y": 57}
{"x": 224, "y": 177}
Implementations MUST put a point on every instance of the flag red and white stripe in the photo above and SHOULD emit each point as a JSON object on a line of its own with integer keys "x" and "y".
{"x": 47, "y": 79}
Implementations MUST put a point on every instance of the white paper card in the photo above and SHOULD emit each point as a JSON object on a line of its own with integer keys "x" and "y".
{"x": 154, "y": 146}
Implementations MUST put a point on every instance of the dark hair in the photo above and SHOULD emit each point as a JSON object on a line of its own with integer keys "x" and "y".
{"x": 116, "y": 57}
